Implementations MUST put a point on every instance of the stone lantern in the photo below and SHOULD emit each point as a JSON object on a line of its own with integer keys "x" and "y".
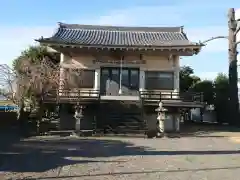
{"x": 161, "y": 117}
{"x": 79, "y": 117}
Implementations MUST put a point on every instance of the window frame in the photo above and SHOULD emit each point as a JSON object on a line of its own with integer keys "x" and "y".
{"x": 157, "y": 85}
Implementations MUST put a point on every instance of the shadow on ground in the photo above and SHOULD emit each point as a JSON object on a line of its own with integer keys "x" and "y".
{"x": 8, "y": 137}
{"x": 40, "y": 156}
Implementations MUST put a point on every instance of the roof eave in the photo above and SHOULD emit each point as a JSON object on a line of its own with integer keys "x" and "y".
{"x": 49, "y": 42}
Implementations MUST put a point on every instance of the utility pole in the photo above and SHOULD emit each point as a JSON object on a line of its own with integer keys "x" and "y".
{"x": 233, "y": 76}
{"x": 233, "y": 29}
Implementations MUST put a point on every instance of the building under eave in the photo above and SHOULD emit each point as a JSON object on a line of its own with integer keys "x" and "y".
{"x": 121, "y": 65}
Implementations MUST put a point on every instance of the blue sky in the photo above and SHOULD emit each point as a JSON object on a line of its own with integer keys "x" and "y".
{"x": 22, "y": 21}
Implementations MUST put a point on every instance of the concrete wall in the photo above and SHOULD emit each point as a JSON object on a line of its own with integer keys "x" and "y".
{"x": 154, "y": 63}
{"x": 208, "y": 116}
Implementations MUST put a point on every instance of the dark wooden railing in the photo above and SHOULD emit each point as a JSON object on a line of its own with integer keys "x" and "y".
{"x": 174, "y": 96}
{"x": 77, "y": 95}
{"x": 72, "y": 95}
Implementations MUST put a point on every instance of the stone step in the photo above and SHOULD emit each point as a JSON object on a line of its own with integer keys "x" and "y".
{"x": 131, "y": 122}
{"x": 130, "y": 127}
{"x": 61, "y": 133}
{"x": 130, "y": 131}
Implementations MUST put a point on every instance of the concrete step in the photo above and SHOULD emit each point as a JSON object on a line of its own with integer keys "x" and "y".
{"x": 61, "y": 133}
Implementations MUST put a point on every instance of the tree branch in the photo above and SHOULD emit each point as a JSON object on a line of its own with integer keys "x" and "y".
{"x": 237, "y": 31}
{"x": 213, "y": 38}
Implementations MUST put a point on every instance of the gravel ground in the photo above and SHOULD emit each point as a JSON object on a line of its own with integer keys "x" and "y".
{"x": 185, "y": 158}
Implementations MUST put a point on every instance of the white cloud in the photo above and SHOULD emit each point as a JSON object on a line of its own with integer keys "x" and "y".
{"x": 15, "y": 39}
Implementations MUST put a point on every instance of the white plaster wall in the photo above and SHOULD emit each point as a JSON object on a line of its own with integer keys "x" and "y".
{"x": 152, "y": 63}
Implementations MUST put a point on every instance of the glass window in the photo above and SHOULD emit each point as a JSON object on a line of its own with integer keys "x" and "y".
{"x": 159, "y": 80}
{"x": 105, "y": 73}
{"x": 134, "y": 79}
{"x": 115, "y": 75}
{"x": 125, "y": 77}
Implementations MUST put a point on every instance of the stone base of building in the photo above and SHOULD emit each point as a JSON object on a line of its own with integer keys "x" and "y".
{"x": 117, "y": 117}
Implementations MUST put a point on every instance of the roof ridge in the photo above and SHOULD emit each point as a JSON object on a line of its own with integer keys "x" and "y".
{"x": 121, "y": 28}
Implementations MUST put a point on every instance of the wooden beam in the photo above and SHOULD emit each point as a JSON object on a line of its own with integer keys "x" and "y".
{"x": 164, "y": 48}
{"x": 184, "y": 51}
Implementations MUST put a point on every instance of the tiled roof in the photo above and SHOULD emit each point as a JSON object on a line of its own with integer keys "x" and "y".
{"x": 113, "y": 36}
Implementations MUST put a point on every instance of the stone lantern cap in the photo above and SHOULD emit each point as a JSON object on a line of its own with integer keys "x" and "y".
{"x": 160, "y": 108}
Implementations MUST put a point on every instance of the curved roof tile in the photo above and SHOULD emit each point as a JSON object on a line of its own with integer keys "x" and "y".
{"x": 116, "y": 36}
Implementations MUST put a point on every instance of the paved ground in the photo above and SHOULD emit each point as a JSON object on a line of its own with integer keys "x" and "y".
{"x": 185, "y": 158}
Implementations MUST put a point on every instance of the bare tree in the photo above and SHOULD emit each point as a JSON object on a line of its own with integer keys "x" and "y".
{"x": 35, "y": 81}
{"x": 7, "y": 82}
{"x": 39, "y": 78}
{"x": 73, "y": 78}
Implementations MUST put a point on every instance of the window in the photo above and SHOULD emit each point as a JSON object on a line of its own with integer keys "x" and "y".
{"x": 81, "y": 78}
{"x": 125, "y": 77}
{"x": 134, "y": 79}
{"x": 159, "y": 80}
{"x": 130, "y": 78}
